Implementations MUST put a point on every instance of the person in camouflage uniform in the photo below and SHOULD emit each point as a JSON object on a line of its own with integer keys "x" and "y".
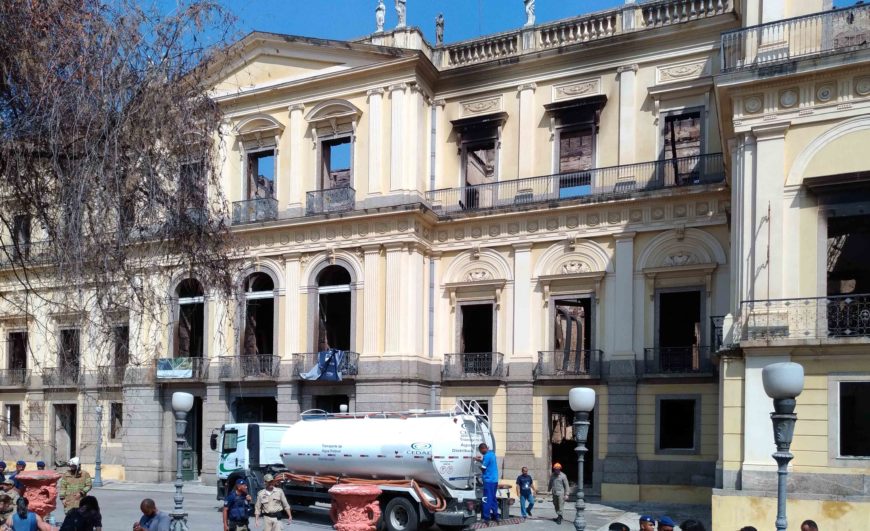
{"x": 74, "y": 485}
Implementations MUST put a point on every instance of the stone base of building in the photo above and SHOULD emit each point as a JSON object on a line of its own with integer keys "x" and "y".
{"x": 616, "y": 492}
{"x": 733, "y": 509}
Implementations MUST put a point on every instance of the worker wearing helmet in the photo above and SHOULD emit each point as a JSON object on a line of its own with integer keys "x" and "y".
{"x": 74, "y": 485}
{"x": 559, "y": 489}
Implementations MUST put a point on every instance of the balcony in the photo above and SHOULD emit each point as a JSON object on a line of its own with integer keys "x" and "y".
{"x": 184, "y": 369}
{"x": 111, "y": 375}
{"x": 664, "y": 361}
{"x": 61, "y": 377}
{"x": 330, "y": 201}
{"x": 255, "y": 210}
{"x": 571, "y": 364}
{"x": 305, "y": 363}
{"x": 831, "y": 32}
{"x": 30, "y": 253}
{"x": 14, "y": 378}
{"x": 473, "y": 366}
{"x": 601, "y": 184}
{"x": 837, "y": 317}
{"x": 265, "y": 367}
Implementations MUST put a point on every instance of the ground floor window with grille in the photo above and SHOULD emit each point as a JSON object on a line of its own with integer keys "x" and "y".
{"x": 854, "y": 419}
{"x": 13, "y": 421}
{"x": 677, "y": 425}
{"x": 117, "y": 420}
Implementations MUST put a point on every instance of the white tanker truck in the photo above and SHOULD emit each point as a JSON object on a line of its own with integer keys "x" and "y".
{"x": 423, "y": 461}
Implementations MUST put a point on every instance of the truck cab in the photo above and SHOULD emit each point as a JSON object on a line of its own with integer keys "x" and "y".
{"x": 247, "y": 450}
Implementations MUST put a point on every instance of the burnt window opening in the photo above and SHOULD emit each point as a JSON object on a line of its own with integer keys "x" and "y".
{"x": 561, "y": 440}
{"x": 335, "y": 160}
{"x": 256, "y": 409}
{"x": 679, "y": 330}
{"x": 477, "y": 338}
{"x": 848, "y": 261}
{"x": 191, "y": 319}
{"x": 121, "y": 340}
{"x": 682, "y": 137}
{"x": 258, "y": 328}
{"x": 16, "y": 350}
{"x": 261, "y": 174}
{"x": 576, "y": 149}
{"x": 21, "y": 236}
{"x": 572, "y": 334}
{"x": 70, "y": 354}
{"x": 479, "y": 168}
{"x": 192, "y": 186}
{"x": 334, "y": 309}
{"x": 13, "y": 421}
{"x": 331, "y": 403}
{"x": 854, "y": 421}
{"x": 116, "y": 420}
{"x": 676, "y": 424}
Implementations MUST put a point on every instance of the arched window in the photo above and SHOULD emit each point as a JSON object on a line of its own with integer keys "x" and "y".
{"x": 191, "y": 319}
{"x": 333, "y": 309}
{"x": 258, "y": 329}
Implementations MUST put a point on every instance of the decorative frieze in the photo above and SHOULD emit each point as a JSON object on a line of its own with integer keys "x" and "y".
{"x": 682, "y": 71}
{"x": 481, "y": 106}
{"x": 577, "y": 89}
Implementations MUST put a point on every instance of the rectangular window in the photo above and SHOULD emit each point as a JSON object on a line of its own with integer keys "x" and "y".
{"x": 477, "y": 338}
{"x": 13, "y": 421}
{"x": 679, "y": 331}
{"x": 849, "y": 257}
{"x": 17, "y": 350}
{"x": 69, "y": 352}
{"x": 676, "y": 429}
{"x": 116, "y": 422}
{"x": 21, "y": 236}
{"x": 854, "y": 419}
{"x": 122, "y": 345}
{"x": 682, "y": 135}
{"x": 576, "y": 150}
{"x": 336, "y": 163}
{"x": 572, "y": 335}
{"x": 192, "y": 186}
{"x": 261, "y": 174}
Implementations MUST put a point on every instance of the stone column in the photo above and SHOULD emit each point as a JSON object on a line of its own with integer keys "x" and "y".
{"x": 527, "y": 128}
{"x": 747, "y": 260}
{"x": 143, "y": 439}
{"x": 215, "y": 413}
{"x": 414, "y": 142}
{"x": 522, "y": 301}
{"x": 767, "y": 225}
{"x": 393, "y": 315}
{"x": 438, "y": 318}
{"x": 415, "y": 309}
{"x": 292, "y": 330}
{"x": 296, "y": 181}
{"x": 440, "y": 141}
{"x": 287, "y": 395}
{"x": 376, "y": 99}
{"x": 623, "y": 289}
{"x": 371, "y": 299}
{"x": 627, "y": 114}
{"x": 397, "y": 138}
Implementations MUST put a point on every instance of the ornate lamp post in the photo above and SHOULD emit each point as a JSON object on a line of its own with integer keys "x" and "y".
{"x": 98, "y": 465}
{"x": 582, "y": 400}
{"x": 782, "y": 382}
{"x": 182, "y": 403}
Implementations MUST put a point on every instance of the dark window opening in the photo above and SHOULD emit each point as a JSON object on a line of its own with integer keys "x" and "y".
{"x": 335, "y": 160}
{"x": 261, "y": 175}
{"x": 116, "y": 420}
{"x": 191, "y": 319}
{"x": 679, "y": 333}
{"x": 259, "y": 315}
{"x": 121, "y": 338}
{"x": 192, "y": 186}
{"x": 854, "y": 420}
{"x": 682, "y": 138}
{"x": 17, "y": 350}
{"x": 477, "y": 338}
{"x": 562, "y": 445}
{"x": 677, "y": 424}
{"x": 65, "y": 432}
{"x": 13, "y": 421}
{"x": 572, "y": 334}
{"x": 331, "y": 403}
{"x": 21, "y": 236}
{"x": 576, "y": 150}
{"x": 848, "y": 255}
{"x": 69, "y": 353}
{"x": 479, "y": 168}
{"x": 334, "y": 309}
{"x": 256, "y": 409}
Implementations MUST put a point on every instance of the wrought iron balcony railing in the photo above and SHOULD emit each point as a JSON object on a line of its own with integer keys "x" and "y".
{"x": 814, "y": 318}
{"x": 14, "y": 378}
{"x": 329, "y": 201}
{"x": 63, "y": 376}
{"x": 251, "y": 367}
{"x": 599, "y": 184}
{"x": 568, "y": 364}
{"x": 25, "y": 253}
{"x": 111, "y": 375}
{"x": 473, "y": 365}
{"x": 255, "y": 210}
{"x": 830, "y": 32}
{"x": 304, "y": 362}
{"x": 678, "y": 360}
{"x": 195, "y": 369}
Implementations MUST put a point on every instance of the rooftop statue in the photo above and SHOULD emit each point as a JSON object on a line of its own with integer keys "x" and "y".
{"x": 380, "y": 11}
{"x": 439, "y": 29}
{"x": 530, "y": 12}
{"x": 401, "y": 10}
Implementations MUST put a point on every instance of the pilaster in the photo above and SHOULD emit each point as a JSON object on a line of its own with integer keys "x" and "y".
{"x": 767, "y": 224}
{"x": 376, "y": 99}
{"x": 526, "y": 151}
{"x": 522, "y": 301}
{"x": 287, "y": 395}
{"x": 292, "y": 331}
{"x": 296, "y": 181}
{"x": 627, "y": 114}
{"x": 623, "y": 338}
{"x": 393, "y": 314}
{"x": 397, "y": 131}
{"x": 371, "y": 299}
{"x": 440, "y": 140}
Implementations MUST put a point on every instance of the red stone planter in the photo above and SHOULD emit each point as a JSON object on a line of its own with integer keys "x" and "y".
{"x": 355, "y": 507}
{"x": 40, "y": 489}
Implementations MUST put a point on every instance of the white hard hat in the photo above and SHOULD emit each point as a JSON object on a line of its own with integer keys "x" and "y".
{"x": 73, "y": 462}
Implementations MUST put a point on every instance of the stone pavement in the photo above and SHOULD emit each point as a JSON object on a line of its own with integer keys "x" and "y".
{"x": 119, "y": 502}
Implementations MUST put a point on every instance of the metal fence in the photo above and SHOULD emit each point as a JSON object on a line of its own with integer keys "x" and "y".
{"x": 331, "y": 200}
{"x": 64, "y": 376}
{"x": 473, "y": 365}
{"x": 570, "y": 363}
{"x": 255, "y": 210}
{"x": 836, "y": 316}
{"x": 835, "y": 31}
{"x": 14, "y": 378}
{"x": 250, "y": 367}
{"x": 30, "y": 253}
{"x": 678, "y": 360}
{"x": 111, "y": 375}
{"x": 591, "y": 185}
{"x": 305, "y": 361}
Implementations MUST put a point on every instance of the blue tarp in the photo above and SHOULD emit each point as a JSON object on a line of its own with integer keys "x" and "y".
{"x": 328, "y": 367}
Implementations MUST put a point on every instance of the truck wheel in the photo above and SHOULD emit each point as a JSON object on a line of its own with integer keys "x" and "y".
{"x": 400, "y": 515}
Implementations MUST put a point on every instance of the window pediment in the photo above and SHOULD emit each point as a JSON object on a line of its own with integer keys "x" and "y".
{"x": 335, "y": 116}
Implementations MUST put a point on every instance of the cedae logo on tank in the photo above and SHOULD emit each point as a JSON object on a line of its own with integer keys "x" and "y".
{"x": 420, "y": 448}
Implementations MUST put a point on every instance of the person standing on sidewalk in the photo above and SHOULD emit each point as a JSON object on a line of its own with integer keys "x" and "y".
{"x": 559, "y": 489}
{"x": 271, "y": 502}
{"x": 236, "y": 506}
{"x": 74, "y": 485}
{"x": 490, "y": 483}
{"x": 526, "y": 490}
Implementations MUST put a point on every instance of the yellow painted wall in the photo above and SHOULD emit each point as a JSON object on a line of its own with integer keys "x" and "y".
{"x": 497, "y": 407}
{"x": 732, "y": 413}
{"x": 646, "y": 420}
{"x": 734, "y": 512}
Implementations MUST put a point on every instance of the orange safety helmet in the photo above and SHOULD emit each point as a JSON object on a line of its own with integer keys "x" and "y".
{"x": 557, "y": 466}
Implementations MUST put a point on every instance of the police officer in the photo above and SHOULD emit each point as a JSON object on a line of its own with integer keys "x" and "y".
{"x": 236, "y": 507}
{"x": 74, "y": 485}
{"x": 271, "y": 502}
{"x": 40, "y": 465}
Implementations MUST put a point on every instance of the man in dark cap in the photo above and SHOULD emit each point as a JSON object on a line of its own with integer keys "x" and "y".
{"x": 2, "y": 470}
{"x": 40, "y": 465}
{"x": 647, "y": 523}
{"x": 666, "y": 524}
{"x": 237, "y": 507}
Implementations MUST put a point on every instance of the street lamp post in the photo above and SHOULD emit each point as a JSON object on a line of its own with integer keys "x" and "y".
{"x": 582, "y": 400}
{"x": 783, "y": 382}
{"x": 98, "y": 464}
{"x": 182, "y": 403}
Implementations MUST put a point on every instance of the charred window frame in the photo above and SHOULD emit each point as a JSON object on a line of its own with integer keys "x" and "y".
{"x": 259, "y": 315}
{"x": 574, "y": 129}
{"x": 16, "y": 353}
{"x": 21, "y": 233}
{"x": 678, "y": 424}
{"x": 13, "y": 421}
{"x": 261, "y": 168}
{"x": 69, "y": 357}
{"x": 479, "y": 140}
{"x": 333, "y": 317}
{"x": 121, "y": 344}
{"x": 189, "y": 326}
{"x": 682, "y": 133}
